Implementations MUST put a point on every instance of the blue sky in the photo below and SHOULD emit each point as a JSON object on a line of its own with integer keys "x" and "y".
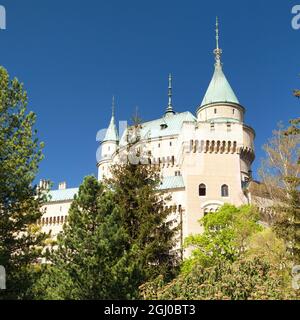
{"x": 74, "y": 55}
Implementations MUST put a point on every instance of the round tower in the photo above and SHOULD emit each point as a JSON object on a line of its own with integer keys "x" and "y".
{"x": 109, "y": 146}
{"x": 222, "y": 111}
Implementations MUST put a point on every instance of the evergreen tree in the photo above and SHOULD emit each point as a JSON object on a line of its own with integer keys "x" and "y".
{"x": 20, "y": 201}
{"x": 90, "y": 258}
{"x": 151, "y": 230}
{"x": 145, "y": 219}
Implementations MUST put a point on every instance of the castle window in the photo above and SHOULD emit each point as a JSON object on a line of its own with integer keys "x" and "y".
{"x": 216, "y": 111}
{"x": 173, "y": 161}
{"x": 225, "y": 191}
{"x": 202, "y": 190}
{"x": 170, "y": 144}
{"x": 233, "y": 111}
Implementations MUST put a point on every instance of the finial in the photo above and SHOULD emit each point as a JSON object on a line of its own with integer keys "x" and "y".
{"x": 170, "y": 91}
{"x": 217, "y": 51}
{"x": 170, "y": 106}
{"x": 113, "y": 106}
{"x": 217, "y": 32}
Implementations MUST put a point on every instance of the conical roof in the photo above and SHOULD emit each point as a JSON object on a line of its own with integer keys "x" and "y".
{"x": 112, "y": 132}
{"x": 219, "y": 89}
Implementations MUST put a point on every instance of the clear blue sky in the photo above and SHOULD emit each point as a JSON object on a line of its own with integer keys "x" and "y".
{"x": 74, "y": 55}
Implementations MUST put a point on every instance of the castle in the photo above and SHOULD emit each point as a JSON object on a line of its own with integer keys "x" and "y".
{"x": 204, "y": 158}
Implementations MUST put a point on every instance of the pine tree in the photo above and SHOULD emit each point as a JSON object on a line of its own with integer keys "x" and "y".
{"x": 20, "y": 202}
{"x": 89, "y": 260}
{"x": 146, "y": 219}
{"x": 148, "y": 223}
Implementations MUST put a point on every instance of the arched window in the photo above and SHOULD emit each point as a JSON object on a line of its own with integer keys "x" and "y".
{"x": 225, "y": 190}
{"x": 202, "y": 190}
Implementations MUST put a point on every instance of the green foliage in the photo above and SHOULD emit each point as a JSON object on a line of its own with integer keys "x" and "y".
{"x": 91, "y": 259}
{"x": 281, "y": 176}
{"x": 225, "y": 235}
{"x": 145, "y": 219}
{"x": 116, "y": 238}
{"x": 20, "y": 202}
{"x": 243, "y": 279}
{"x": 234, "y": 259}
{"x": 267, "y": 246}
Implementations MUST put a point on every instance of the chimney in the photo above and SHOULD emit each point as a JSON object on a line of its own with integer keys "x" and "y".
{"x": 44, "y": 185}
{"x": 62, "y": 186}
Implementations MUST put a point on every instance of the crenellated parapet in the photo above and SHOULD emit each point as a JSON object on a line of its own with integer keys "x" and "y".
{"x": 247, "y": 154}
{"x": 217, "y": 146}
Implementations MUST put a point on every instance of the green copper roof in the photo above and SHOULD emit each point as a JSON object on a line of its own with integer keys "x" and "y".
{"x": 169, "y": 183}
{"x": 219, "y": 89}
{"x": 62, "y": 195}
{"x": 163, "y": 127}
{"x": 112, "y": 132}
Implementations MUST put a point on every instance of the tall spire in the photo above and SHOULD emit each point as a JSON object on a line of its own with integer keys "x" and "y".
{"x": 170, "y": 105}
{"x": 219, "y": 89}
{"x": 113, "y": 107}
{"x": 218, "y": 51}
{"x": 112, "y": 132}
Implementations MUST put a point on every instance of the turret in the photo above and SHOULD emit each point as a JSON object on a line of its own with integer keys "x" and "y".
{"x": 223, "y": 115}
{"x": 109, "y": 145}
{"x": 220, "y": 102}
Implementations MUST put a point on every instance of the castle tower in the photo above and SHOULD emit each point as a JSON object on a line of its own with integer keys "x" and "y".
{"x": 220, "y": 101}
{"x": 222, "y": 150}
{"x": 109, "y": 146}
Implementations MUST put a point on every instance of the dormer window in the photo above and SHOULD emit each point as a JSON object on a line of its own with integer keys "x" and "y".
{"x": 163, "y": 126}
